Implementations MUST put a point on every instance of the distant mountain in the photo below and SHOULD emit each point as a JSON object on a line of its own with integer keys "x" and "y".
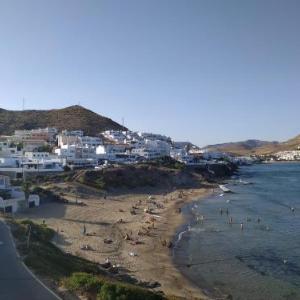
{"x": 256, "y": 146}
{"x": 244, "y": 147}
{"x": 291, "y": 144}
{"x": 70, "y": 118}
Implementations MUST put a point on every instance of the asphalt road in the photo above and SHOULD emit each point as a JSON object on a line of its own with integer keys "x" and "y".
{"x": 16, "y": 283}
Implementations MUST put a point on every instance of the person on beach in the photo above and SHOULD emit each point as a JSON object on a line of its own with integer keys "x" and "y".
{"x": 242, "y": 226}
{"x": 202, "y": 219}
{"x": 227, "y": 211}
{"x": 230, "y": 220}
{"x": 221, "y": 211}
{"x": 84, "y": 230}
{"x": 258, "y": 220}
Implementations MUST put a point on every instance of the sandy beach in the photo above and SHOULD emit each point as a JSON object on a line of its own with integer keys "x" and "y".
{"x": 131, "y": 230}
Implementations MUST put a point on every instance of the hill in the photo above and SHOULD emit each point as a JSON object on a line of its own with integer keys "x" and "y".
{"x": 242, "y": 148}
{"x": 256, "y": 147}
{"x": 70, "y": 118}
{"x": 291, "y": 144}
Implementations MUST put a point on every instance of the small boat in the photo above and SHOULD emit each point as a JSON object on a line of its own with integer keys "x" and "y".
{"x": 224, "y": 188}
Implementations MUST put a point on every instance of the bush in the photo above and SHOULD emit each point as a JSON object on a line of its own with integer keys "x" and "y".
{"x": 67, "y": 168}
{"x": 83, "y": 282}
{"x": 117, "y": 291}
{"x": 5, "y": 194}
{"x": 44, "y": 257}
{"x": 39, "y": 232}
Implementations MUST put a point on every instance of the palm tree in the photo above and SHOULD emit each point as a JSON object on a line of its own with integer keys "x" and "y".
{"x": 26, "y": 189}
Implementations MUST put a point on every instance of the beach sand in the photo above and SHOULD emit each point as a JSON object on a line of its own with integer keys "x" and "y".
{"x": 146, "y": 233}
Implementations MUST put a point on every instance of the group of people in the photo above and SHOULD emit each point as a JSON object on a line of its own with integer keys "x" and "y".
{"x": 221, "y": 210}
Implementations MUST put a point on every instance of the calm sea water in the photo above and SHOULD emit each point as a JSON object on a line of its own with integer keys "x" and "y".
{"x": 262, "y": 261}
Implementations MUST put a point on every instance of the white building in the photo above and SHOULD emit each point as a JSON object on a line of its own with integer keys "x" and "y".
{"x": 72, "y": 132}
{"x": 13, "y": 198}
{"x": 288, "y": 155}
{"x": 109, "y": 151}
{"x": 44, "y": 134}
{"x": 116, "y": 136}
{"x": 87, "y": 141}
{"x": 73, "y": 152}
{"x": 7, "y": 150}
{"x": 37, "y": 155}
{"x": 153, "y": 136}
{"x": 4, "y": 182}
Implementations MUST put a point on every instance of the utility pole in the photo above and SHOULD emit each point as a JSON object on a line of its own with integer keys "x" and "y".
{"x": 23, "y": 104}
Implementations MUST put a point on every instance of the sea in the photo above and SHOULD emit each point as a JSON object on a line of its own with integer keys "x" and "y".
{"x": 245, "y": 244}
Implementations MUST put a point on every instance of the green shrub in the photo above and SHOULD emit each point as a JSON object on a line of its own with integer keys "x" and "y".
{"x": 117, "y": 291}
{"x": 39, "y": 232}
{"x": 5, "y": 194}
{"x": 44, "y": 257}
{"x": 67, "y": 168}
{"x": 83, "y": 282}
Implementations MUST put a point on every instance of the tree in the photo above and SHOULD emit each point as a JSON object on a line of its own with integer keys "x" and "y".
{"x": 26, "y": 185}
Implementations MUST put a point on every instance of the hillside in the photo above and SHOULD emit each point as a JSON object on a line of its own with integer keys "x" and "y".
{"x": 70, "y": 118}
{"x": 291, "y": 144}
{"x": 256, "y": 147}
{"x": 242, "y": 148}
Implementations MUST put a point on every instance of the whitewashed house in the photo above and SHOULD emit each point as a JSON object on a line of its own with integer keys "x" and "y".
{"x": 13, "y": 199}
{"x": 109, "y": 151}
{"x": 78, "y": 140}
{"x": 116, "y": 136}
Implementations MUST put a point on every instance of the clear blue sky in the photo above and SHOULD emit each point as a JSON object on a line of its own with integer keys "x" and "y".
{"x": 205, "y": 71}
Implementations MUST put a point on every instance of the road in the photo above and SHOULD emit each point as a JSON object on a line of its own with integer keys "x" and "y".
{"x": 16, "y": 283}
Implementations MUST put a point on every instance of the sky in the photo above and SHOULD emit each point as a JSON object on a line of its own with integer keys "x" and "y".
{"x": 207, "y": 71}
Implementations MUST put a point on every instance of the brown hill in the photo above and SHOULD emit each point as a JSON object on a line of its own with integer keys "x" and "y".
{"x": 241, "y": 148}
{"x": 70, "y": 118}
{"x": 256, "y": 147}
{"x": 291, "y": 144}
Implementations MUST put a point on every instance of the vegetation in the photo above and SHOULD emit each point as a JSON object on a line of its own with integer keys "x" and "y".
{"x": 43, "y": 256}
{"x": 5, "y": 194}
{"x": 26, "y": 185}
{"x": 77, "y": 274}
{"x": 71, "y": 118}
{"x": 167, "y": 162}
{"x": 108, "y": 290}
{"x": 128, "y": 177}
{"x": 45, "y": 148}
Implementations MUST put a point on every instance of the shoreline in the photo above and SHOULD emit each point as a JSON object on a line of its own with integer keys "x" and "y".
{"x": 176, "y": 283}
{"x": 152, "y": 261}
